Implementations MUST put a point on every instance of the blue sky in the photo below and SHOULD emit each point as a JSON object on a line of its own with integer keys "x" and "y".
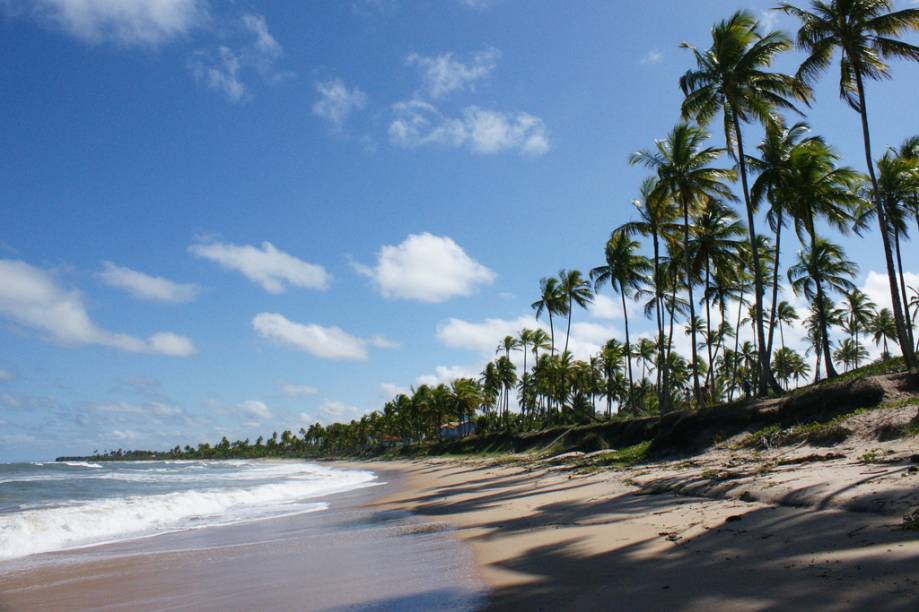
{"x": 233, "y": 218}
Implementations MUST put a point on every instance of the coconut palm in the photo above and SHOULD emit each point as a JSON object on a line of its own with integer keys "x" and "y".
{"x": 508, "y": 344}
{"x": 625, "y": 271}
{"x": 848, "y": 353}
{"x": 685, "y": 174}
{"x": 551, "y": 301}
{"x": 732, "y": 76}
{"x": 859, "y": 311}
{"x": 576, "y": 291}
{"x": 788, "y": 364}
{"x": 656, "y": 215}
{"x": 772, "y": 167}
{"x": 865, "y": 32}
{"x": 785, "y": 315}
{"x": 821, "y": 268}
{"x": 883, "y": 329}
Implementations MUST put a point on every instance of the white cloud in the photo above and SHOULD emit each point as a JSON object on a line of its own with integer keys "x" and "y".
{"x": 291, "y": 390}
{"x": 654, "y": 56}
{"x": 221, "y": 68}
{"x": 878, "y": 288}
{"x": 157, "y": 409}
{"x": 418, "y": 123}
{"x": 269, "y": 267}
{"x": 443, "y": 74}
{"x": 382, "y": 342}
{"x": 426, "y": 268}
{"x": 605, "y": 306}
{"x": 255, "y": 408}
{"x": 336, "y": 102}
{"x": 332, "y": 411}
{"x": 483, "y": 336}
{"x": 447, "y": 374}
{"x": 146, "y": 287}
{"x": 390, "y": 390}
{"x": 476, "y": 5}
{"x": 123, "y": 434}
{"x": 122, "y": 22}
{"x": 319, "y": 341}
{"x": 30, "y": 297}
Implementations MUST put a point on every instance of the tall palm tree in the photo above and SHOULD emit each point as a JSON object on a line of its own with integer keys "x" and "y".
{"x": 684, "y": 173}
{"x": 883, "y": 328}
{"x": 551, "y": 301}
{"x": 625, "y": 271}
{"x": 821, "y": 268}
{"x": 779, "y": 144}
{"x": 732, "y": 77}
{"x": 859, "y": 311}
{"x": 508, "y": 344}
{"x": 715, "y": 246}
{"x": 656, "y": 215}
{"x": 785, "y": 315}
{"x": 865, "y": 32}
{"x": 576, "y": 290}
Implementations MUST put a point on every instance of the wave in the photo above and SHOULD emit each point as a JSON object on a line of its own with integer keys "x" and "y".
{"x": 85, "y": 464}
{"x": 88, "y": 523}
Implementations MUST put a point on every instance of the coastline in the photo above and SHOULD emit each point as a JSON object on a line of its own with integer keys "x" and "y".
{"x": 545, "y": 538}
{"x": 354, "y": 555}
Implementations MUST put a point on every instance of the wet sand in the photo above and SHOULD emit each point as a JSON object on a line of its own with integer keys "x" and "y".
{"x": 355, "y": 555}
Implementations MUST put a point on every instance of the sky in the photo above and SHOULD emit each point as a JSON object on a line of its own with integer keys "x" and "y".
{"x": 233, "y": 218}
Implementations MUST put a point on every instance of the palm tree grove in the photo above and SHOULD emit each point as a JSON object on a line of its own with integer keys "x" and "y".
{"x": 701, "y": 256}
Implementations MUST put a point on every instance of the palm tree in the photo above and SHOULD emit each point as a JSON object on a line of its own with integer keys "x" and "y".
{"x": 785, "y": 315}
{"x": 576, "y": 290}
{"x": 859, "y": 311}
{"x": 716, "y": 248}
{"x": 865, "y": 32}
{"x": 883, "y": 328}
{"x": 778, "y": 146}
{"x": 822, "y": 267}
{"x": 684, "y": 172}
{"x": 647, "y": 354}
{"x": 625, "y": 271}
{"x": 656, "y": 215}
{"x": 508, "y": 344}
{"x": 732, "y": 77}
{"x": 848, "y": 353}
{"x": 552, "y": 301}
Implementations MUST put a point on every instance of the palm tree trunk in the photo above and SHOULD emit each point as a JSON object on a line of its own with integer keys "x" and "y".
{"x": 736, "y": 343}
{"x": 628, "y": 346}
{"x": 568, "y": 333}
{"x": 765, "y": 374}
{"x": 906, "y": 346}
{"x": 821, "y": 312}
{"x": 775, "y": 286}
{"x": 552, "y": 333}
{"x": 709, "y": 376}
{"x": 909, "y": 327}
{"x": 663, "y": 379}
{"x": 696, "y": 392}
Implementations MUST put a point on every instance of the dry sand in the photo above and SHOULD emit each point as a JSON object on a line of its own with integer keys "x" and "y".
{"x": 546, "y": 538}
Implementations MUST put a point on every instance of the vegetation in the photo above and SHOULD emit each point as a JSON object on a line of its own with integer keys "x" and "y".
{"x": 708, "y": 270}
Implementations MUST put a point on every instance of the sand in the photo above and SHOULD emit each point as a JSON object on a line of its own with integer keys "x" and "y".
{"x": 549, "y": 539}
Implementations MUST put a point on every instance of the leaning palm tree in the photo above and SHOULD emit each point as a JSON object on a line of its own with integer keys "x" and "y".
{"x": 625, "y": 271}
{"x": 685, "y": 174}
{"x": 551, "y": 301}
{"x": 865, "y": 32}
{"x": 732, "y": 76}
{"x": 883, "y": 328}
{"x": 822, "y": 268}
{"x": 859, "y": 311}
{"x": 576, "y": 290}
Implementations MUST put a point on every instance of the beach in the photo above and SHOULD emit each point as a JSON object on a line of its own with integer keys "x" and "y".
{"x": 487, "y": 534}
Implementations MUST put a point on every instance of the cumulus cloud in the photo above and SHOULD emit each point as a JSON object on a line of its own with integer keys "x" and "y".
{"x": 319, "y": 341}
{"x": 390, "y": 390}
{"x": 654, "y": 56}
{"x": 291, "y": 390}
{"x": 381, "y": 342}
{"x": 221, "y": 68}
{"x": 418, "y": 123}
{"x": 447, "y": 374}
{"x": 30, "y": 297}
{"x": 122, "y": 22}
{"x": 268, "y": 266}
{"x": 877, "y": 287}
{"x": 443, "y": 74}
{"x": 426, "y": 268}
{"x": 336, "y": 102}
{"x": 255, "y": 408}
{"x": 147, "y": 287}
{"x": 332, "y": 411}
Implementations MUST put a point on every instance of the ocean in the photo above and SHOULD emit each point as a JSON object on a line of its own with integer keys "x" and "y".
{"x": 57, "y": 506}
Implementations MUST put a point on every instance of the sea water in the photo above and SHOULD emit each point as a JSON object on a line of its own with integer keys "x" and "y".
{"x": 63, "y": 505}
